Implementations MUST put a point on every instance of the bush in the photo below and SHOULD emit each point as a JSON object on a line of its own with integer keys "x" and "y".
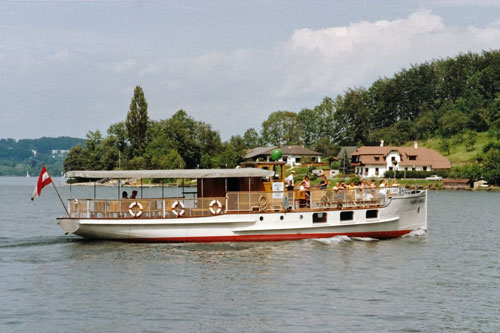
{"x": 416, "y": 174}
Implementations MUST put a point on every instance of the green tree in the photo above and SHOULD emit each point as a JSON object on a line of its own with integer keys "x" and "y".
{"x": 137, "y": 123}
{"x": 491, "y": 166}
{"x": 453, "y": 122}
{"x": 281, "y": 128}
{"x": 444, "y": 146}
{"x": 252, "y": 138}
{"x": 470, "y": 140}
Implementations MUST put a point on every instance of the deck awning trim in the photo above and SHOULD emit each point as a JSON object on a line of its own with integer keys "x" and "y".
{"x": 171, "y": 174}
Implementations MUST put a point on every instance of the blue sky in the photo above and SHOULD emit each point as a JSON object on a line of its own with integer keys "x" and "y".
{"x": 67, "y": 67}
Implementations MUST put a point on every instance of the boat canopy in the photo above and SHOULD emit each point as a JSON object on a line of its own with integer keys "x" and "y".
{"x": 184, "y": 173}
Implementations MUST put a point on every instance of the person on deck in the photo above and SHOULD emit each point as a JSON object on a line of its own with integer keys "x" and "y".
{"x": 124, "y": 195}
{"x": 324, "y": 182}
{"x": 134, "y": 195}
{"x": 290, "y": 181}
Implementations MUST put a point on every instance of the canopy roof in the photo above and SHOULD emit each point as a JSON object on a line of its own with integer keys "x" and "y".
{"x": 184, "y": 173}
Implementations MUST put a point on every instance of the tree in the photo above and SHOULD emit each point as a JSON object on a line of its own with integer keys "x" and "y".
{"x": 453, "y": 122}
{"x": 470, "y": 140}
{"x": 491, "y": 166}
{"x": 252, "y": 138}
{"x": 281, "y": 128}
{"x": 444, "y": 146}
{"x": 137, "y": 123}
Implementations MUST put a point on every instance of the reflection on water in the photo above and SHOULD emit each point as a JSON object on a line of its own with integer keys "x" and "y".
{"x": 442, "y": 280}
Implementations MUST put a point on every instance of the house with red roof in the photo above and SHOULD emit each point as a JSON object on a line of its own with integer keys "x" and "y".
{"x": 374, "y": 161}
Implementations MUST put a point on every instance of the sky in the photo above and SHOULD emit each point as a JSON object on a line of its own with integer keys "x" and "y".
{"x": 70, "y": 66}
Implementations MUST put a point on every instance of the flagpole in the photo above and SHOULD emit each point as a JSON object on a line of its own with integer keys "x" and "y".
{"x": 55, "y": 188}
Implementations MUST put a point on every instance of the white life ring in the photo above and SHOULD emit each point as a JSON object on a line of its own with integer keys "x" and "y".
{"x": 176, "y": 210}
{"x": 213, "y": 204}
{"x": 131, "y": 209}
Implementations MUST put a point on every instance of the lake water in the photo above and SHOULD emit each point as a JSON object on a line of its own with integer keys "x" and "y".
{"x": 445, "y": 280}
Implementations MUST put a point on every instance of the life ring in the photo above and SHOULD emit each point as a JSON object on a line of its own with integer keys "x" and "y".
{"x": 131, "y": 209}
{"x": 262, "y": 202}
{"x": 176, "y": 210}
{"x": 215, "y": 207}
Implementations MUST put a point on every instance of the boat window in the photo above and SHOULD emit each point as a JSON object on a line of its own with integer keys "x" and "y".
{"x": 346, "y": 216}
{"x": 372, "y": 214}
{"x": 319, "y": 217}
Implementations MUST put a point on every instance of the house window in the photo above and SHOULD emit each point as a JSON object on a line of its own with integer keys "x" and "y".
{"x": 406, "y": 169}
{"x": 425, "y": 168}
{"x": 413, "y": 169}
{"x": 390, "y": 168}
{"x": 393, "y": 158}
{"x": 412, "y": 158}
{"x": 377, "y": 158}
{"x": 376, "y": 171}
{"x": 285, "y": 159}
{"x": 297, "y": 159}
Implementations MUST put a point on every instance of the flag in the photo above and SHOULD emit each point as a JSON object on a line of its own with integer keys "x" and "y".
{"x": 43, "y": 180}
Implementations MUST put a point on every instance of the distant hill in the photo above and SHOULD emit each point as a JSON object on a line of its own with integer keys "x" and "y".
{"x": 18, "y": 157}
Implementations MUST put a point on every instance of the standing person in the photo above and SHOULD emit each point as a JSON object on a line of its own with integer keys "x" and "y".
{"x": 134, "y": 195}
{"x": 124, "y": 195}
{"x": 324, "y": 182}
{"x": 290, "y": 181}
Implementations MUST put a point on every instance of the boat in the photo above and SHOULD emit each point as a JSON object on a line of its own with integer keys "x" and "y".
{"x": 249, "y": 204}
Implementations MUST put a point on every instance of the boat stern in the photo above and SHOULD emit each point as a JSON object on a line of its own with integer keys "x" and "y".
{"x": 70, "y": 226}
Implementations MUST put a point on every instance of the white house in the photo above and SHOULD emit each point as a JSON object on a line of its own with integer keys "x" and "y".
{"x": 371, "y": 162}
{"x": 292, "y": 154}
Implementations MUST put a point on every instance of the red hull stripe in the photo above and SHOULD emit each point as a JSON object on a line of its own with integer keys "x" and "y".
{"x": 271, "y": 237}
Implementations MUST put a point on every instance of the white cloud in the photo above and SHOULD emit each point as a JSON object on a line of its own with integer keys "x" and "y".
{"x": 122, "y": 66}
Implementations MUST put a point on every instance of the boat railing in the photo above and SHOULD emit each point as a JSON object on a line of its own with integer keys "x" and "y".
{"x": 297, "y": 199}
{"x": 234, "y": 202}
{"x": 146, "y": 208}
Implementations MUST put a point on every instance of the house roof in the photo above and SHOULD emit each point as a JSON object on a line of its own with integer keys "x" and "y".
{"x": 348, "y": 149}
{"x": 286, "y": 150}
{"x": 251, "y": 153}
{"x": 422, "y": 156}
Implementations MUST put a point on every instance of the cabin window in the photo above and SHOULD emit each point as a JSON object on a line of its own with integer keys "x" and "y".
{"x": 319, "y": 217}
{"x": 372, "y": 214}
{"x": 277, "y": 172}
{"x": 346, "y": 216}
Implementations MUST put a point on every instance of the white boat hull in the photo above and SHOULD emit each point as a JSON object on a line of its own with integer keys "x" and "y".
{"x": 399, "y": 216}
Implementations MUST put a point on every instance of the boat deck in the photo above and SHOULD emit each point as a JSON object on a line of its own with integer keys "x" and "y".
{"x": 234, "y": 203}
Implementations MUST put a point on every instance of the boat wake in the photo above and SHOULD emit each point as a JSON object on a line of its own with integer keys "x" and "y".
{"x": 417, "y": 233}
{"x": 343, "y": 239}
{"x": 35, "y": 241}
